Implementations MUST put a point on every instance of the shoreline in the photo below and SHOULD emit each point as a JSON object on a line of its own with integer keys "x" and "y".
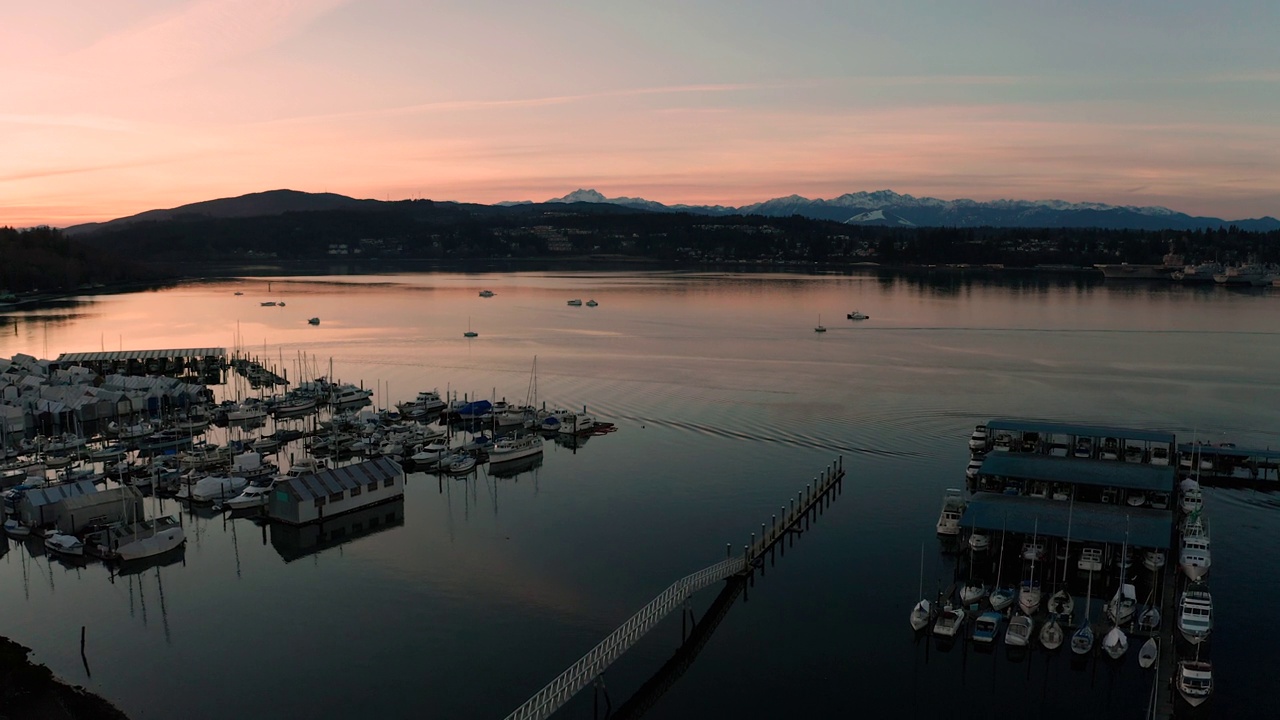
{"x": 31, "y": 690}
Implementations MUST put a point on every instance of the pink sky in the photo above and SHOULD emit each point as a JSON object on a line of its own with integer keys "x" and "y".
{"x": 112, "y": 109}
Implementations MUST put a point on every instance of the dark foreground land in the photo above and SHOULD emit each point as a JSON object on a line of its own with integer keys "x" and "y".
{"x": 30, "y": 691}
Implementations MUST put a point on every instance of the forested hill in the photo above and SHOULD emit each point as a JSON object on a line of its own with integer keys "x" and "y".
{"x": 44, "y": 259}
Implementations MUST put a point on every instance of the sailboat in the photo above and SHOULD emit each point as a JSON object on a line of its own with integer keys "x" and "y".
{"x": 1116, "y": 643}
{"x": 1125, "y": 602}
{"x": 1029, "y": 592}
{"x": 1149, "y": 653}
{"x": 820, "y": 327}
{"x": 1082, "y": 638}
{"x": 923, "y": 611}
{"x": 1061, "y": 603}
{"x": 470, "y": 333}
{"x": 1001, "y": 597}
{"x": 1051, "y": 634}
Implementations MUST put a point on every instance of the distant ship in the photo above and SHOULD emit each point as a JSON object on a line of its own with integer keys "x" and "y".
{"x": 1126, "y": 271}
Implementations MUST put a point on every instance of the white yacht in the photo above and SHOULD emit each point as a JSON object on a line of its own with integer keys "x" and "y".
{"x": 256, "y": 494}
{"x": 1195, "y": 681}
{"x": 577, "y": 423}
{"x": 1194, "y": 558}
{"x": 1051, "y": 634}
{"x": 1153, "y": 560}
{"x": 1196, "y": 619}
{"x": 507, "y": 449}
{"x": 953, "y": 505}
{"x": 1090, "y": 559}
{"x": 975, "y": 465}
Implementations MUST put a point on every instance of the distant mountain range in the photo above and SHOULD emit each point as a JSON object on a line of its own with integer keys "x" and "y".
{"x": 885, "y": 207}
{"x": 882, "y": 208}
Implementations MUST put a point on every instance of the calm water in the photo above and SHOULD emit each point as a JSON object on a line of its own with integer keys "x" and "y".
{"x": 471, "y": 595}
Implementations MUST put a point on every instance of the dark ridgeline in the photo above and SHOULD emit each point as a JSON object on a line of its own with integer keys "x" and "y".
{"x": 283, "y": 227}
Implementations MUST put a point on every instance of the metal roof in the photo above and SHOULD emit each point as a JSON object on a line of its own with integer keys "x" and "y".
{"x": 140, "y": 354}
{"x": 1101, "y": 431}
{"x": 1088, "y": 522}
{"x": 103, "y": 497}
{"x": 50, "y": 494}
{"x": 1218, "y": 451}
{"x": 327, "y": 482}
{"x": 1106, "y": 473}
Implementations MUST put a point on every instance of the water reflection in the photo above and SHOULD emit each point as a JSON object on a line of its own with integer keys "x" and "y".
{"x": 293, "y": 542}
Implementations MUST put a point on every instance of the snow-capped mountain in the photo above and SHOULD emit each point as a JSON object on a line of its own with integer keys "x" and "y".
{"x": 886, "y": 207}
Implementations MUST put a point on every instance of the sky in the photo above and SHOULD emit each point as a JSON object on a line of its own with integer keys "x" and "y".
{"x": 112, "y": 108}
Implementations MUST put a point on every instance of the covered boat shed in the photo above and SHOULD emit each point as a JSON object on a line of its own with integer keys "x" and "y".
{"x": 43, "y": 505}
{"x": 309, "y": 498}
{"x": 1075, "y": 471}
{"x": 204, "y": 362}
{"x": 1085, "y": 522}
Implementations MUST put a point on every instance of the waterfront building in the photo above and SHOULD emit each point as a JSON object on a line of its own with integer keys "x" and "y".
{"x": 309, "y": 498}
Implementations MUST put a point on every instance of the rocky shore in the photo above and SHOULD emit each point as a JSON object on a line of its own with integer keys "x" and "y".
{"x": 29, "y": 690}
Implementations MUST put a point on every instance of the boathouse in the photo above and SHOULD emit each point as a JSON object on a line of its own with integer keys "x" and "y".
{"x": 43, "y": 505}
{"x": 72, "y": 507}
{"x": 294, "y": 542}
{"x": 310, "y": 498}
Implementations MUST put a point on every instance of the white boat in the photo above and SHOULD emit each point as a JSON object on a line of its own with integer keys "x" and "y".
{"x": 432, "y": 453}
{"x": 1029, "y": 595}
{"x": 1123, "y": 604}
{"x": 1195, "y": 621}
{"x": 576, "y": 302}
{"x": 1115, "y": 643}
{"x": 1019, "y": 631}
{"x": 108, "y": 452}
{"x": 213, "y": 487}
{"x": 950, "y": 622}
{"x": 922, "y": 613}
{"x": 142, "y": 539}
{"x": 986, "y": 627}
{"x": 506, "y": 449}
{"x": 349, "y": 396}
{"x": 1149, "y": 653}
{"x": 1083, "y": 448}
{"x": 65, "y": 544}
{"x": 979, "y": 541}
{"x": 577, "y": 423}
{"x": 1001, "y": 597}
{"x": 1153, "y": 560}
{"x": 855, "y": 315}
{"x": 1195, "y": 681}
{"x": 1159, "y": 456}
{"x": 256, "y": 494}
{"x": 130, "y": 432}
{"x": 978, "y": 439}
{"x": 1082, "y": 638}
{"x": 975, "y": 465}
{"x": 1033, "y": 551}
{"x": 461, "y": 464}
{"x": 1090, "y": 559}
{"x": 1110, "y": 449}
{"x": 1003, "y": 442}
{"x": 294, "y": 407}
{"x": 15, "y": 529}
{"x": 1194, "y": 557}
{"x": 972, "y": 592}
{"x": 247, "y": 413}
{"x": 1192, "y": 499}
{"x": 953, "y": 505}
{"x": 1051, "y": 634}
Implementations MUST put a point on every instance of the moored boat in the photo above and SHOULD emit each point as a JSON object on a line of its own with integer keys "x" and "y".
{"x": 65, "y": 544}
{"x": 1019, "y": 632}
{"x": 1051, "y": 634}
{"x": 986, "y": 627}
{"x": 508, "y": 449}
{"x": 1195, "y": 619}
{"x": 950, "y": 622}
{"x": 1115, "y": 643}
{"x": 953, "y": 505}
{"x": 145, "y": 538}
{"x": 1195, "y": 681}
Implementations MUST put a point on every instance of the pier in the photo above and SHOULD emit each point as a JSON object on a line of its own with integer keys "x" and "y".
{"x": 204, "y": 365}
{"x": 795, "y": 518}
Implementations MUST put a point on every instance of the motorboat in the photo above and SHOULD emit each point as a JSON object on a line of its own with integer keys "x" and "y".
{"x": 507, "y": 449}
{"x": 1153, "y": 560}
{"x": 855, "y": 315}
{"x": 247, "y": 413}
{"x": 1002, "y": 598}
{"x": 1033, "y": 551}
{"x": 130, "y": 432}
{"x": 1029, "y": 596}
{"x": 592, "y": 303}
{"x": 346, "y": 396}
{"x": 141, "y": 539}
{"x": 1195, "y": 681}
{"x": 1134, "y": 454}
{"x": 1110, "y": 449}
{"x": 1003, "y": 442}
{"x": 313, "y": 321}
{"x": 432, "y": 453}
{"x": 979, "y": 541}
{"x": 577, "y": 423}
{"x": 1115, "y": 643}
{"x": 294, "y": 407}
{"x": 486, "y": 293}
{"x": 1019, "y": 632}
{"x": 1191, "y": 497}
{"x": 986, "y": 627}
{"x": 255, "y": 494}
{"x": 1195, "y": 620}
{"x": 950, "y": 621}
{"x": 576, "y": 302}
{"x": 1084, "y": 447}
{"x": 1123, "y": 604}
{"x": 551, "y": 420}
{"x": 1159, "y": 456}
{"x": 1090, "y": 559}
{"x": 65, "y": 544}
{"x": 1051, "y": 634}
{"x": 953, "y": 505}
{"x": 921, "y": 614}
{"x": 266, "y": 444}
{"x": 15, "y": 529}
{"x": 1149, "y": 653}
{"x": 978, "y": 439}
{"x": 1194, "y": 558}
{"x": 972, "y": 592}
{"x": 975, "y": 465}
{"x": 213, "y": 487}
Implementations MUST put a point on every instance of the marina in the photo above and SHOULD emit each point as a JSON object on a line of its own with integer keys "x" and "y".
{"x": 515, "y": 570}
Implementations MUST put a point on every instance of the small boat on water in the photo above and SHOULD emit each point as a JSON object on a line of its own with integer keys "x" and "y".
{"x": 15, "y": 529}
{"x": 486, "y": 293}
{"x": 855, "y": 315}
{"x": 953, "y": 505}
{"x": 462, "y": 464}
{"x": 950, "y": 622}
{"x": 314, "y": 321}
{"x": 975, "y": 465}
{"x": 987, "y": 627}
{"x": 1090, "y": 559}
{"x": 1123, "y": 604}
{"x": 978, "y": 439}
{"x": 256, "y": 494}
{"x": 1195, "y": 681}
{"x": 1029, "y": 595}
{"x": 1116, "y": 643}
{"x": 1153, "y": 560}
{"x": 972, "y": 592}
{"x": 1194, "y": 558}
{"x": 576, "y": 302}
{"x": 1051, "y": 634}
{"x": 65, "y": 544}
{"x": 820, "y": 328}
{"x": 979, "y": 541}
{"x": 592, "y": 303}
{"x": 507, "y": 449}
{"x": 1019, "y": 632}
{"x": 1149, "y": 653}
{"x": 921, "y": 614}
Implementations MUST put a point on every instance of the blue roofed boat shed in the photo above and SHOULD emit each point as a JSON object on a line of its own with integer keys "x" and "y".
{"x": 1085, "y": 522}
{"x": 1103, "y": 473}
